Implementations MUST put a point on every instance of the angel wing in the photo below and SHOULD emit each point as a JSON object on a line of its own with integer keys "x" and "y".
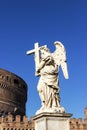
{"x": 59, "y": 56}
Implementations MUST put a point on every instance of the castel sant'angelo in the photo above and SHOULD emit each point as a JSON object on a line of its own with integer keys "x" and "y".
{"x": 13, "y": 98}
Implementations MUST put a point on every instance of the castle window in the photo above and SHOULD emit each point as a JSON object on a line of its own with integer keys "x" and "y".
{"x": 3, "y": 77}
{"x": 8, "y": 78}
{"x": 24, "y": 87}
{"x": 16, "y": 81}
{"x": 6, "y": 118}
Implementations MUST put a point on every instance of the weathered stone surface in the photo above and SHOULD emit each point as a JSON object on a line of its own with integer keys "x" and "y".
{"x": 13, "y": 94}
{"x": 51, "y": 121}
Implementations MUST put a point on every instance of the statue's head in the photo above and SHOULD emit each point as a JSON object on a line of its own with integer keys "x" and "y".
{"x": 45, "y": 49}
{"x": 44, "y": 52}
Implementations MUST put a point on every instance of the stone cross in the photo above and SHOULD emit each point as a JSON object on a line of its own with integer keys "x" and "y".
{"x": 37, "y": 53}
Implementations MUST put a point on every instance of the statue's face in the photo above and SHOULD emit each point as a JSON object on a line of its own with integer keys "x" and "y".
{"x": 44, "y": 54}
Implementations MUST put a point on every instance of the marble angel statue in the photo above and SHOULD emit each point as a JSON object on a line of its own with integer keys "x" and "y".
{"x": 48, "y": 70}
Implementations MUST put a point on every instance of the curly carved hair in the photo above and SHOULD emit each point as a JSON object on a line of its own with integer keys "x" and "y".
{"x": 44, "y": 49}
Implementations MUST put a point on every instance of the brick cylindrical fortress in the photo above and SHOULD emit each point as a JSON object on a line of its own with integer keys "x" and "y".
{"x": 13, "y": 94}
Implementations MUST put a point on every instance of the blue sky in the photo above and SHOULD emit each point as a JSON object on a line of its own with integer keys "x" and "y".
{"x": 24, "y": 22}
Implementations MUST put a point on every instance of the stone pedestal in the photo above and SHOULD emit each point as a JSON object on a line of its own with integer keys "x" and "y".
{"x": 52, "y": 121}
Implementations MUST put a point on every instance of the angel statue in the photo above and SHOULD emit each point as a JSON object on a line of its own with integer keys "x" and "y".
{"x": 47, "y": 67}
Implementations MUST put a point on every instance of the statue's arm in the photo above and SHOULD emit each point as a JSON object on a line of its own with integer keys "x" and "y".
{"x": 40, "y": 66}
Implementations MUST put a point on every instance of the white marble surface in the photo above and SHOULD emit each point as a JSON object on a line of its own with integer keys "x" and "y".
{"x": 46, "y": 121}
{"x": 47, "y": 67}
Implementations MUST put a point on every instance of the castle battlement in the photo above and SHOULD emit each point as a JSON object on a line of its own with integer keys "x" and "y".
{"x": 17, "y": 123}
{"x": 11, "y": 119}
{"x": 79, "y": 124}
{"x": 22, "y": 123}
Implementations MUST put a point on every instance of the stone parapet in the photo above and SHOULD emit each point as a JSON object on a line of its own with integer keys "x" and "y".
{"x": 17, "y": 123}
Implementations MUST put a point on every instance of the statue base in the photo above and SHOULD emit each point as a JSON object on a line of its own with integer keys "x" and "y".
{"x": 52, "y": 121}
